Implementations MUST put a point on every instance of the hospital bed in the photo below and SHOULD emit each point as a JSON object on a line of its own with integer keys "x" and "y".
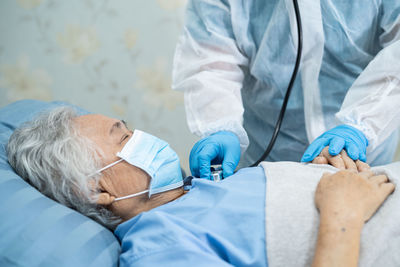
{"x": 35, "y": 230}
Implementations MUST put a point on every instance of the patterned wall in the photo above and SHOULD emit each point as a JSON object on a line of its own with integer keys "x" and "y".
{"x": 110, "y": 57}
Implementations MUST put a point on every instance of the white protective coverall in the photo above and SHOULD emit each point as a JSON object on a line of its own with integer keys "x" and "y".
{"x": 235, "y": 58}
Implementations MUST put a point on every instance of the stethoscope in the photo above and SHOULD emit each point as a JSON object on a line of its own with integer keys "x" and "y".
{"x": 216, "y": 170}
{"x": 289, "y": 89}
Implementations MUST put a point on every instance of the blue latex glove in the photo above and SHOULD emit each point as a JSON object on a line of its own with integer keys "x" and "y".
{"x": 221, "y": 147}
{"x": 342, "y": 136}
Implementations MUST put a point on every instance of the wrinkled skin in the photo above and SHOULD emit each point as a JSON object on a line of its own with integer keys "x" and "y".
{"x": 341, "y": 161}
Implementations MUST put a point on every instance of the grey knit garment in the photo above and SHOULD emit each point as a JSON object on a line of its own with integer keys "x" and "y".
{"x": 292, "y": 218}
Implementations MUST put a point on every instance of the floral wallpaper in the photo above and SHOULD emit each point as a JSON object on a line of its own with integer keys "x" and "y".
{"x": 110, "y": 57}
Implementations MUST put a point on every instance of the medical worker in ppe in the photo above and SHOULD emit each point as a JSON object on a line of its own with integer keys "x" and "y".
{"x": 234, "y": 62}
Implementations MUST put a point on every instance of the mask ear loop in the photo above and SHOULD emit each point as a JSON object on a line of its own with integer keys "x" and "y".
{"x": 119, "y": 198}
{"x": 130, "y": 196}
{"x": 106, "y": 167}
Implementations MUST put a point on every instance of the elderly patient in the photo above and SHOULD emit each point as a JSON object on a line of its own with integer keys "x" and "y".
{"x": 131, "y": 182}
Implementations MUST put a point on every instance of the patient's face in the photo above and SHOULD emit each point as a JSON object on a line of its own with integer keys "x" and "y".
{"x": 110, "y": 135}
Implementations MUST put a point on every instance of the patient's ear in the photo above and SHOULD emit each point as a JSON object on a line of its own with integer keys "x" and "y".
{"x": 105, "y": 199}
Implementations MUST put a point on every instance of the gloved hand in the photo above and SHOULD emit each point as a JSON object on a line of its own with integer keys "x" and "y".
{"x": 221, "y": 147}
{"x": 342, "y": 136}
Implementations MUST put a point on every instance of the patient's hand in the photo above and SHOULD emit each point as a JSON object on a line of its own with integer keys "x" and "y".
{"x": 346, "y": 194}
{"x": 345, "y": 201}
{"x": 341, "y": 161}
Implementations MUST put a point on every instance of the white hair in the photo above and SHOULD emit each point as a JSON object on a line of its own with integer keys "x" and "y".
{"x": 49, "y": 153}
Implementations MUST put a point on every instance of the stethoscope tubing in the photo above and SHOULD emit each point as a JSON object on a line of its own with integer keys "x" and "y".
{"x": 289, "y": 89}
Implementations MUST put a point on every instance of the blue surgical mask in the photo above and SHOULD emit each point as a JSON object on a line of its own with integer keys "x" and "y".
{"x": 156, "y": 158}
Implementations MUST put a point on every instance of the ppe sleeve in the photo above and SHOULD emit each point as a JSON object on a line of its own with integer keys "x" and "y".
{"x": 372, "y": 104}
{"x": 177, "y": 257}
{"x": 208, "y": 69}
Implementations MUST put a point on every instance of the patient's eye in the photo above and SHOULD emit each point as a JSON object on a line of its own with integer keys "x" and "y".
{"x": 126, "y": 135}
{"x": 126, "y": 125}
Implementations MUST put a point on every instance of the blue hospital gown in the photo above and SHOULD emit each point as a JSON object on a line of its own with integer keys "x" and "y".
{"x": 214, "y": 224}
